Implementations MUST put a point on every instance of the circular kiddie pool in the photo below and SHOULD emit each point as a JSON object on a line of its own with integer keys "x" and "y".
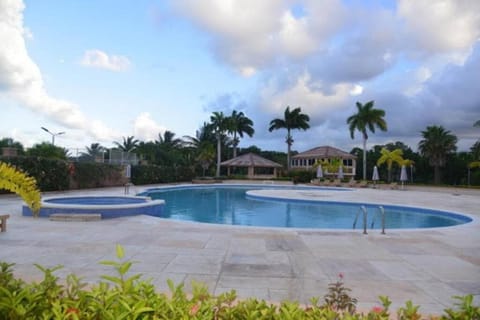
{"x": 106, "y": 206}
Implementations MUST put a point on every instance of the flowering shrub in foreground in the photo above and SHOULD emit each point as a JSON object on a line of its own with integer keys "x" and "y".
{"x": 123, "y": 297}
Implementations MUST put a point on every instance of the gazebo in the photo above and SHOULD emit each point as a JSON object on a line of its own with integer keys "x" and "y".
{"x": 257, "y": 166}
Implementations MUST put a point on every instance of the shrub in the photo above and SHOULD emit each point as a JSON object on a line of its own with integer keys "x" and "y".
{"x": 16, "y": 181}
{"x": 95, "y": 175}
{"x": 301, "y": 176}
{"x": 50, "y": 174}
{"x": 150, "y": 174}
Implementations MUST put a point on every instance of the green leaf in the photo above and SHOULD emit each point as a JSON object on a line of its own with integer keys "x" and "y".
{"x": 112, "y": 279}
{"x": 109, "y": 263}
{"x": 120, "y": 252}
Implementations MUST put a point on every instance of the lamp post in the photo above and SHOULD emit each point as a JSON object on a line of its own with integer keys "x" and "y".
{"x": 53, "y": 134}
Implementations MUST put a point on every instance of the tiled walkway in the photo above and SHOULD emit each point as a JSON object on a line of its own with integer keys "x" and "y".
{"x": 426, "y": 266}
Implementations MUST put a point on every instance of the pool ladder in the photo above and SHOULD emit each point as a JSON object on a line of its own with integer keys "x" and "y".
{"x": 363, "y": 210}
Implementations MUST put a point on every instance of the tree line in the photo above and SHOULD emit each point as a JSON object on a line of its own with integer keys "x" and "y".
{"x": 219, "y": 139}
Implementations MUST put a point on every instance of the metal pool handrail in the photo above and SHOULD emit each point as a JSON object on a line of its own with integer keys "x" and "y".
{"x": 382, "y": 214}
{"x": 364, "y": 210}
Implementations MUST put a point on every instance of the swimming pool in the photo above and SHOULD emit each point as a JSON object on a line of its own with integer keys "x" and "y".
{"x": 233, "y": 206}
{"x": 106, "y": 206}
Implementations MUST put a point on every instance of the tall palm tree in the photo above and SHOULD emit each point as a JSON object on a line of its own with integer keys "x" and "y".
{"x": 220, "y": 125}
{"x": 390, "y": 157}
{"x": 294, "y": 119}
{"x": 168, "y": 140}
{"x": 129, "y": 144}
{"x": 239, "y": 124}
{"x": 436, "y": 144}
{"x": 366, "y": 118}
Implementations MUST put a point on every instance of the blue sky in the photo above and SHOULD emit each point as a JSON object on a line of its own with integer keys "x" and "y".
{"x": 103, "y": 70}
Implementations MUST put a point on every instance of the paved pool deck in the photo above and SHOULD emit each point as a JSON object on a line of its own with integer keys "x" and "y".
{"x": 427, "y": 266}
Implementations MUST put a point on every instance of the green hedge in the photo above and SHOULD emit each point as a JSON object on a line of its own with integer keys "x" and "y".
{"x": 54, "y": 174}
{"x": 152, "y": 174}
{"x": 125, "y": 296}
{"x": 96, "y": 175}
{"x": 301, "y": 176}
{"x": 51, "y": 174}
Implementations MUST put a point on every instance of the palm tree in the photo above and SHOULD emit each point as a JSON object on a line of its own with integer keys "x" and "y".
{"x": 168, "y": 141}
{"x": 203, "y": 135}
{"x": 239, "y": 124}
{"x": 220, "y": 125}
{"x": 366, "y": 118}
{"x": 291, "y": 120}
{"x": 436, "y": 144}
{"x": 390, "y": 157}
{"x": 95, "y": 150}
{"x": 206, "y": 156}
{"x": 129, "y": 144}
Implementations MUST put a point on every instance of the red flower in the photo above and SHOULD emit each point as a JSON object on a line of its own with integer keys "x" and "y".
{"x": 340, "y": 275}
{"x": 72, "y": 310}
{"x": 377, "y": 309}
{"x": 194, "y": 309}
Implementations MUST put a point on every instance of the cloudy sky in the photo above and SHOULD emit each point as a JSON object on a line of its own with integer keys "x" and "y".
{"x": 103, "y": 70}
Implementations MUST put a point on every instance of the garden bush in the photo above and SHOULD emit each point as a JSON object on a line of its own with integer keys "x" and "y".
{"x": 302, "y": 176}
{"x": 96, "y": 175}
{"x": 151, "y": 174}
{"x": 50, "y": 174}
{"x": 129, "y": 297}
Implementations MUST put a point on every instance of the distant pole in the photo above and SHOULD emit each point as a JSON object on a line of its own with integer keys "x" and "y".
{"x": 52, "y": 134}
{"x": 468, "y": 176}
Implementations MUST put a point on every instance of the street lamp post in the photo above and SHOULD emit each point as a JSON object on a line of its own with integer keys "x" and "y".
{"x": 53, "y": 134}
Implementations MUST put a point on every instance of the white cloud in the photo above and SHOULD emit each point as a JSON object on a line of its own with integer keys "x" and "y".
{"x": 247, "y": 71}
{"x": 21, "y": 79}
{"x": 295, "y": 36}
{"x": 415, "y": 83}
{"x": 356, "y": 90}
{"x": 98, "y": 59}
{"x": 315, "y": 99}
{"x": 145, "y": 128}
{"x": 244, "y": 31}
{"x": 252, "y": 34}
{"x": 441, "y": 26}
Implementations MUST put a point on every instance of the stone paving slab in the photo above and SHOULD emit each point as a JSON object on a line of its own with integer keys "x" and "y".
{"x": 426, "y": 266}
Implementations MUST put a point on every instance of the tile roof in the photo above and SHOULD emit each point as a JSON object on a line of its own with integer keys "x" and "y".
{"x": 324, "y": 152}
{"x": 250, "y": 159}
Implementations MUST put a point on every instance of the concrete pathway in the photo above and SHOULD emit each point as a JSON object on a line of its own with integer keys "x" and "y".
{"x": 426, "y": 266}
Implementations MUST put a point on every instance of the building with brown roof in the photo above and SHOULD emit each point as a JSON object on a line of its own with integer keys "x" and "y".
{"x": 306, "y": 160}
{"x": 256, "y": 167}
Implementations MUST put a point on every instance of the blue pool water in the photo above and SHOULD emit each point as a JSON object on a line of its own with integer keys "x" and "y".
{"x": 231, "y": 205}
{"x": 106, "y": 206}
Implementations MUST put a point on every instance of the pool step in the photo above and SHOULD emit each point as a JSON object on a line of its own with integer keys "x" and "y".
{"x": 75, "y": 217}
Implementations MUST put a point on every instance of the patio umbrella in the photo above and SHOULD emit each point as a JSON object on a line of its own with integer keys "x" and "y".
{"x": 319, "y": 172}
{"x": 340, "y": 172}
{"x": 375, "y": 176}
{"x": 403, "y": 175}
